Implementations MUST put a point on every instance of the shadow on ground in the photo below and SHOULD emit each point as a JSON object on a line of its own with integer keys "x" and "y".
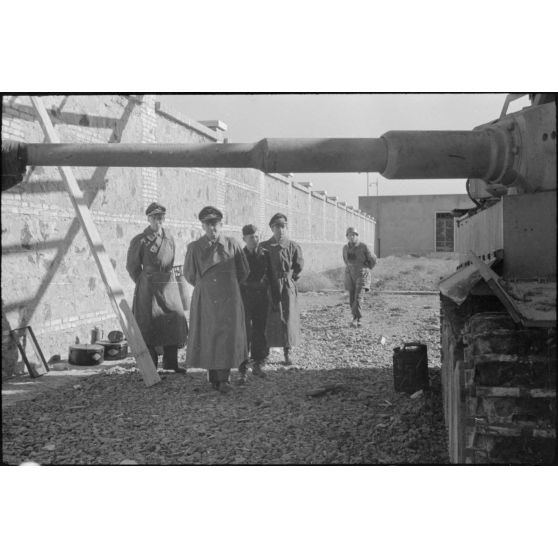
{"x": 24, "y": 388}
{"x": 113, "y": 417}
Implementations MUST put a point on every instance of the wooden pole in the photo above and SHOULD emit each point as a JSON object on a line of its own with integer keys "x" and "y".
{"x": 114, "y": 290}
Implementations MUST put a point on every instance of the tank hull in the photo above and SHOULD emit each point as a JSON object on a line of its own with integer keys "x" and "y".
{"x": 498, "y": 335}
{"x": 523, "y": 227}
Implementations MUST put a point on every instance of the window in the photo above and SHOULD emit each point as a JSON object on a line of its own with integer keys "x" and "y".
{"x": 444, "y": 232}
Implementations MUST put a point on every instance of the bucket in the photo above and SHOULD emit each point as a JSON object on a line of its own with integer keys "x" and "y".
{"x": 410, "y": 368}
{"x": 114, "y": 351}
{"x": 86, "y": 355}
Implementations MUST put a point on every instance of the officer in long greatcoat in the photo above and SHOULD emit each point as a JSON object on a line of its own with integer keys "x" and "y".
{"x": 215, "y": 265}
{"x": 285, "y": 265}
{"x": 359, "y": 262}
{"x": 157, "y": 305}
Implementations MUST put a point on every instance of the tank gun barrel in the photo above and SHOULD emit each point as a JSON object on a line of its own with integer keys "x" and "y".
{"x": 398, "y": 154}
{"x": 517, "y": 150}
{"x": 268, "y": 155}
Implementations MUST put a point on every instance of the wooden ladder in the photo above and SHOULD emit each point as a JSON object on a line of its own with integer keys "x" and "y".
{"x": 114, "y": 289}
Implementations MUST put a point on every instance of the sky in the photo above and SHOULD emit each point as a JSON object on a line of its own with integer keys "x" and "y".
{"x": 252, "y": 117}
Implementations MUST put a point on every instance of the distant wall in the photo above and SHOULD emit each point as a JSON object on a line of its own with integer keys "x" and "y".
{"x": 49, "y": 278}
{"x": 406, "y": 224}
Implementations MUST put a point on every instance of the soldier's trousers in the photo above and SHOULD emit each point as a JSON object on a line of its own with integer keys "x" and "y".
{"x": 357, "y": 282}
{"x": 356, "y": 295}
{"x": 170, "y": 356}
{"x": 255, "y": 313}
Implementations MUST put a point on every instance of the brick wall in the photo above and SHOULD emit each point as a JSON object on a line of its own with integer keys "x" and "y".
{"x": 49, "y": 278}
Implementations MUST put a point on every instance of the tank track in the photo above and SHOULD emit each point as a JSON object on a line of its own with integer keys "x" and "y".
{"x": 500, "y": 388}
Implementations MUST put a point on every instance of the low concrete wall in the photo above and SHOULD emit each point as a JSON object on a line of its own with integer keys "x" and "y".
{"x": 49, "y": 277}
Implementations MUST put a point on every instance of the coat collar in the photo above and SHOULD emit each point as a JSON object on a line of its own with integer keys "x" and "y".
{"x": 256, "y": 250}
{"x": 283, "y": 242}
{"x": 151, "y": 236}
{"x": 220, "y": 240}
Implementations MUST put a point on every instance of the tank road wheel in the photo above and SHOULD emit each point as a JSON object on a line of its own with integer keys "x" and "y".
{"x": 499, "y": 387}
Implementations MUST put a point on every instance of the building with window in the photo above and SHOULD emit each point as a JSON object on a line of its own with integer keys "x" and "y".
{"x": 417, "y": 225}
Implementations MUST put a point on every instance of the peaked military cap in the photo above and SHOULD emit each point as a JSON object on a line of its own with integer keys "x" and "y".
{"x": 249, "y": 229}
{"x": 155, "y": 209}
{"x": 210, "y": 213}
{"x": 351, "y": 230}
{"x": 278, "y": 218}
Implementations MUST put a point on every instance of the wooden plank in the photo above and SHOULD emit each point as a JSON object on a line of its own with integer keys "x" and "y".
{"x": 114, "y": 289}
{"x": 450, "y": 411}
{"x": 515, "y": 392}
{"x": 513, "y": 430}
{"x": 493, "y": 281}
{"x": 461, "y": 415}
{"x": 456, "y": 424}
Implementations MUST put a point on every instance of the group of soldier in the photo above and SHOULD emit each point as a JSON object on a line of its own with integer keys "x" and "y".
{"x": 245, "y": 300}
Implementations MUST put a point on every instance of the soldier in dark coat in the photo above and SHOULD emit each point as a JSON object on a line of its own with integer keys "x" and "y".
{"x": 359, "y": 262}
{"x": 157, "y": 305}
{"x": 285, "y": 265}
{"x": 215, "y": 265}
{"x": 255, "y": 299}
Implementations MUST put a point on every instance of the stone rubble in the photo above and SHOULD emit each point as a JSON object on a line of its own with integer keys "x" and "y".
{"x": 357, "y": 418}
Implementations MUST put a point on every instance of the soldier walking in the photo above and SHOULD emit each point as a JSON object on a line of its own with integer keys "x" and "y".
{"x": 285, "y": 265}
{"x": 359, "y": 261}
{"x": 157, "y": 305}
{"x": 215, "y": 265}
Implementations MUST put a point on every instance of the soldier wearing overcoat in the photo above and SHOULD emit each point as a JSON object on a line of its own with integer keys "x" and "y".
{"x": 285, "y": 264}
{"x": 215, "y": 265}
{"x": 157, "y": 305}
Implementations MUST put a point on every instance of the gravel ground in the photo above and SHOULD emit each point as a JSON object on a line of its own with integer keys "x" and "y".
{"x": 110, "y": 418}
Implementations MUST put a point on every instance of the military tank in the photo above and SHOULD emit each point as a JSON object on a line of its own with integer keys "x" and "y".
{"x": 498, "y": 310}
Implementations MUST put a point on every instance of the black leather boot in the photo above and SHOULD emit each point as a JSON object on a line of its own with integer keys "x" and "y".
{"x": 257, "y": 370}
{"x": 170, "y": 359}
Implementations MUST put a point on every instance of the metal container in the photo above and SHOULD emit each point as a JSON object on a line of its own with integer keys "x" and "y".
{"x": 114, "y": 351}
{"x": 96, "y": 334}
{"x": 115, "y": 336}
{"x": 410, "y": 368}
{"x": 86, "y": 354}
